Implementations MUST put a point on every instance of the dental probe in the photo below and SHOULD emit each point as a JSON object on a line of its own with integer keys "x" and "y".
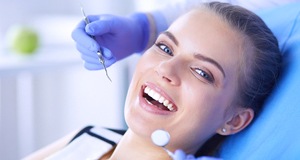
{"x": 99, "y": 52}
{"x": 161, "y": 138}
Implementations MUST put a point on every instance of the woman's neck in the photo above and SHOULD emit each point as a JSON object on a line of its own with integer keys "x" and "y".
{"x": 133, "y": 146}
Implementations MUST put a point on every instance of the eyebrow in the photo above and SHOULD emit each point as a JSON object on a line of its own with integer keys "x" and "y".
{"x": 207, "y": 59}
{"x": 171, "y": 36}
{"x": 197, "y": 55}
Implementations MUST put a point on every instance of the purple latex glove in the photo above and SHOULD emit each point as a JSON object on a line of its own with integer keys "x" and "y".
{"x": 180, "y": 155}
{"x": 118, "y": 37}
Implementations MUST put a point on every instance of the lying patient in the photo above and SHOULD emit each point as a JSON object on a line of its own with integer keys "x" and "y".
{"x": 205, "y": 78}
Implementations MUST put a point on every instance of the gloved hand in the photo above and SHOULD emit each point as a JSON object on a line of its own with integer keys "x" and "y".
{"x": 118, "y": 37}
{"x": 180, "y": 155}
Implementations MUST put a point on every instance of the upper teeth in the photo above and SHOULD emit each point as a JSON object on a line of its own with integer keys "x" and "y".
{"x": 156, "y": 96}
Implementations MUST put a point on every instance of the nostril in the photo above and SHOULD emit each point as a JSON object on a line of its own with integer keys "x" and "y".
{"x": 163, "y": 77}
{"x": 167, "y": 79}
{"x": 167, "y": 73}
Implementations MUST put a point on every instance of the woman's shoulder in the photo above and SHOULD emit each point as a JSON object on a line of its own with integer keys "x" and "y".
{"x": 108, "y": 135}
{"x": 84, "y": 142}
{"x": 91, "y": 142}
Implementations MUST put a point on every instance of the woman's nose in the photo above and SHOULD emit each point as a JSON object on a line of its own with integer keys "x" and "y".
{"x": 169, "y": 71}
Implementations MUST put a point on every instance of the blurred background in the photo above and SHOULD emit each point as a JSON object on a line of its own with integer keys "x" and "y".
{"x": 46, "y": 95}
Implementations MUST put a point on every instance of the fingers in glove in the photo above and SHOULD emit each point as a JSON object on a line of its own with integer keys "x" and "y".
{"x": 105, "y": 52}
{"x": 92, "y": 61}
{"x": 90, "y": 66}
{"x": 81, "y": 37}
{"x": 179, "y": 155}
{"x": 103, "y": 25}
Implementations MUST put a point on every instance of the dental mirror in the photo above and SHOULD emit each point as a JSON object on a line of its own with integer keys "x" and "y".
{"x": 161, "y": 138}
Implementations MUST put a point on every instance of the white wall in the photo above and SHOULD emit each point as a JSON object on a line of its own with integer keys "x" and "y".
{"x": 40, "y": 106}
{"x": 49, "y": 94}
{"x": 45, "y": 96}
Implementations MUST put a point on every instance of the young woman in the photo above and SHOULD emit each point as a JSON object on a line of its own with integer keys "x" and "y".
{"x": 112, "y": 31}
{"x": 206, "y": 77}
{"x": 214, "y": 66}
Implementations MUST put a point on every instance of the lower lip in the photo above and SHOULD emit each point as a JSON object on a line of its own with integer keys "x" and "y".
{"x": 151, "y": 108}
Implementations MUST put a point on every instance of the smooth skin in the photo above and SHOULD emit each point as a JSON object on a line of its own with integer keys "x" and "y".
{"x": 195, "y": 65}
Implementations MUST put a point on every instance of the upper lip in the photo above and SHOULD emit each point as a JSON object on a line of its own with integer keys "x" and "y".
{"x": 160, "y": 91}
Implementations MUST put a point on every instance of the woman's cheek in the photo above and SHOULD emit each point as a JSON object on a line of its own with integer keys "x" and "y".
{"x": 149, "y": 60}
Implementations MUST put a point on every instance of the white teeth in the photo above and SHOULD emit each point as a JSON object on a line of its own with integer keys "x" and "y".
{"x": 151, "y": 92}
{"x": 170, "y": 107}
{"x": 156, "y": 96}
{"x": 147, "y": 90}
{"x": 166, "y": 103}
{"x": 161, "y": 100}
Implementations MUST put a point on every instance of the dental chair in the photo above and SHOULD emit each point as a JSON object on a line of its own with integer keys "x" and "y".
{"x": 275, "y": 134}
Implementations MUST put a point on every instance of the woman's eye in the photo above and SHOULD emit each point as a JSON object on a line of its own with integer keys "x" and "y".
{"x": 205, "y": 75}
{"x": 165, "y": 48}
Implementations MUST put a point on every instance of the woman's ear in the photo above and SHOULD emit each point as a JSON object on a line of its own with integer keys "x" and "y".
{"x": 237, "y": 122}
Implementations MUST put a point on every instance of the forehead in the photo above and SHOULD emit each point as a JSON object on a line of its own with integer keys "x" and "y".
{"x": 203, "y": 22}
{"x": 205, "y": 32}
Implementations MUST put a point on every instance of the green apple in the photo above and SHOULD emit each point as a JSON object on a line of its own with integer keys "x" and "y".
{"x": 22, "y": 39}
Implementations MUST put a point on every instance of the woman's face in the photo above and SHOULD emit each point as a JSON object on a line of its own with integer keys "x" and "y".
{"x": 186, "y": 82}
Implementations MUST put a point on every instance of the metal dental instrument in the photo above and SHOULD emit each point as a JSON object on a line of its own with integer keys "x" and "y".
{"x": 161, "y": 138}
{"x": 99, "y": 53}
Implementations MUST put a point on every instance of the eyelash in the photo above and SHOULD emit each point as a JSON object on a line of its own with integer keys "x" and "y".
{"x": 205, "y": 75}
{"x": 163, "y": 47}
{"x": 200, "y": 72}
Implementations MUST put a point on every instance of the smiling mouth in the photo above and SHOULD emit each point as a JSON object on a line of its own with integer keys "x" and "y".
{"x": 154, "y": 98}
